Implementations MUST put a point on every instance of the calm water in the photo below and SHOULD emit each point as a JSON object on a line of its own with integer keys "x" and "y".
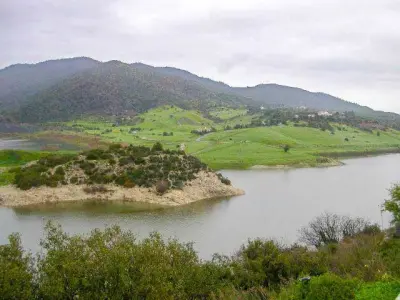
{"x": 36, "y": 144}
{"x": 277, "y": 203}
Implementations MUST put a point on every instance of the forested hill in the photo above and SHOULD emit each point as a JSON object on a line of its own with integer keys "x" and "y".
{"x": 113, "y": 88}
{"x": 19, "y": 82}
{"x": 69, "y": 88}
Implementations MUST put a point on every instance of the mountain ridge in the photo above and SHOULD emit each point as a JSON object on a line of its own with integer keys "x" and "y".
{"x": 66, "y": 88}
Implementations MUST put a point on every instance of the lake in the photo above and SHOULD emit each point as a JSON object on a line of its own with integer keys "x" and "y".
{"x": 276, "y": 205}
{"x": 37, "y": 144}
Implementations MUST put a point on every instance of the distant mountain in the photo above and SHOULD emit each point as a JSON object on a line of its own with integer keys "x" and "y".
{"x": 69, "y": 88}
{"x": 273, "y": 94}
{"x": 113, "y": 88}
{"x": 19, "y": 82}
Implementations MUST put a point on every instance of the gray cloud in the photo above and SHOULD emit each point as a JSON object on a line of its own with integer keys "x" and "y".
{"x": 348, "y": 48}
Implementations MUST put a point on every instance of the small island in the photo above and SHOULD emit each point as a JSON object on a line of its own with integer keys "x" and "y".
{"x": 131, "y": 173}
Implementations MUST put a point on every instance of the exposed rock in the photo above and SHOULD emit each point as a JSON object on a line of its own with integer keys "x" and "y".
{"x": 207, "y": 185}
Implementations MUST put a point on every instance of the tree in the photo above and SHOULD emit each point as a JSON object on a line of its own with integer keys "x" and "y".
{"x": 286, "y": 148}
{"x": 331, "y": 228}
{"x": 393, "y": 206}
{"x": 15, "y": 271}
{"x": 157, "y": 147}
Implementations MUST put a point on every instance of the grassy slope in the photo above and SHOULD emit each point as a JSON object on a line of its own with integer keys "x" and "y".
{"x": 245, "y": 147}
{"x": 14, "y": 158}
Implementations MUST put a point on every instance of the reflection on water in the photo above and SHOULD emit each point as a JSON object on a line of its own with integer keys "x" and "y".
{"x": 101, "y": 208}
{"x": 276, "y": 205}
{"x": 89, "y": 208}
{"x": 36, "y": 144}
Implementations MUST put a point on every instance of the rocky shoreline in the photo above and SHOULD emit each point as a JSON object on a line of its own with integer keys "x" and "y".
{"x": 206, "y": 186}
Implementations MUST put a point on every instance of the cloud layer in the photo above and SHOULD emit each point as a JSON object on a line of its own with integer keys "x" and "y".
{"x": 349, "y": 48}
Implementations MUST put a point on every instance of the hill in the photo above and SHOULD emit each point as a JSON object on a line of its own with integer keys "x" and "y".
{"x": 69, "y": 88}
{"x": 278, "y": 95}
{"x": 243, "y": 147}
{"x": 116, "y": 88}
{"x": 19, "y": 82}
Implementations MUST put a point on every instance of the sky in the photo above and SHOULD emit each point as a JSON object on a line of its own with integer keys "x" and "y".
{"x": 347, "y": 48}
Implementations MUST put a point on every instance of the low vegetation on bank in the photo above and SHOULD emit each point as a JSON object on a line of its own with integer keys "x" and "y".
{"x": 114, "y": 264}
{"x": 124, "y": 166}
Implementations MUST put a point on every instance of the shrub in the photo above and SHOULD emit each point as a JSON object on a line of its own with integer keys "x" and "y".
{"x": 390, "y": 253}
{"x": 162, "y": 186}
{"x": 129, "y": 183}
{"x": 286, "y": 148}
{"x": 223, "y": 179}
{"x": 28, "y": 178}
{"x": 261, "y": 263}
{"x": 59, "y": 171}
{"x": 329, "y": 286}
{"x": 346, "y": 139}
{"x": 74, "y": 180}
{"x": 157, "y": 147}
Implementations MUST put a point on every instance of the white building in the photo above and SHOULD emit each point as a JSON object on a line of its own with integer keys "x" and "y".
{"x": 324, "y": 114}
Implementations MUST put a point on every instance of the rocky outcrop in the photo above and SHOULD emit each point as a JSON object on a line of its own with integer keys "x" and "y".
{"x": 207, "y": 185}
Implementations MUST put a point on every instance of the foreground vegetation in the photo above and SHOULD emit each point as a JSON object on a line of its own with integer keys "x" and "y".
{"x": 352, "y": 259}
{"x": 113, "y": 264}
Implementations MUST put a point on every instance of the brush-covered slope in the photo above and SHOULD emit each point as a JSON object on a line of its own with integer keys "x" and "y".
{"x": 19, "y": 82}
{"x": 116, "y": 88}
{"x": 124, "y": 166}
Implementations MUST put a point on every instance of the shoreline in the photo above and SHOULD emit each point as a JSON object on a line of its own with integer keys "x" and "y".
{"x": 205, "y": 186}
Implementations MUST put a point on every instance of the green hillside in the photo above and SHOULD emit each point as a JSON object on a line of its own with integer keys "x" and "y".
{"x": 68, "y": 89}
{"x": 242, "y": 148}
{"x": 115, "y": 88}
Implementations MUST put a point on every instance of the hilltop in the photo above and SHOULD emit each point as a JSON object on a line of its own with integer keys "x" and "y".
{"x": 68, "y": 89}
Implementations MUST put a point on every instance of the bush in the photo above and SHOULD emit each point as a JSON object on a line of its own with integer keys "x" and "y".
{"x": 157, "y": 147}
{"x": 286, "y": 148}
{"x": 112, "y": 264}
{"x": 74, "y": 180}
{"x": 162, "y": 186}
{"x": 329, "y": 286}
{"x": 59, "y": 171}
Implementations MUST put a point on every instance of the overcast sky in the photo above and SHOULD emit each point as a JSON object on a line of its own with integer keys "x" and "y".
{"x": 348, "y": 48}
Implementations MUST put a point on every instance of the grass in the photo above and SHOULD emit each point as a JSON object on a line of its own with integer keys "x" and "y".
{"x": 225, "y": 113}
{"x": 238, "y": 149}
{"x": 379, "y": 291}
{"x": 11, "y": 158}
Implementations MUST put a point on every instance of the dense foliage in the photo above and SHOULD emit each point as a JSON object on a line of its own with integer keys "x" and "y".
{"x": 69, "y": 88}
{"x": 113, "y": 264}
{"x": 115, "y": 88}
{"x": 125, "y": 166}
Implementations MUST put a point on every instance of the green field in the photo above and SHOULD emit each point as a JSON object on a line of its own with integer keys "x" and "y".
{"x": 242, "y": 148}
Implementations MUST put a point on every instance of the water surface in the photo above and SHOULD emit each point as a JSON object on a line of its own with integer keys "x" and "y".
{"x": 277, "y": 203}
{"x": 36, "y": 144}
